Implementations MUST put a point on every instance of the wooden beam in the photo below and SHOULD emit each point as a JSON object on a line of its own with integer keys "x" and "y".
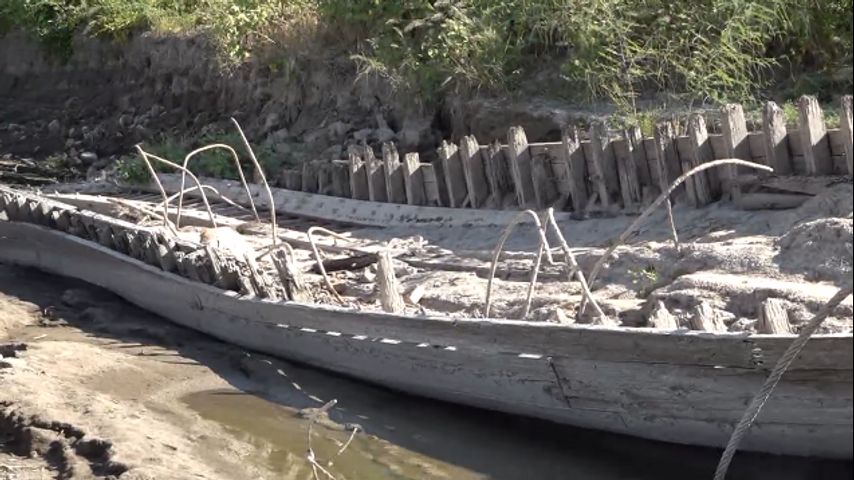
{"x": 576, "y": 167}
{"x": 474, "y": 171}
{"x": 777, "y": 154}
{"x": 847, "y": 128}
{"x": 813, "y": 132}
{"x": 455, "y": 179}
{"x": 520, "y": 166}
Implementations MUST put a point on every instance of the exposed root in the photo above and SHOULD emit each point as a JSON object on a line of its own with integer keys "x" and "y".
{"x": 239, "y": 172}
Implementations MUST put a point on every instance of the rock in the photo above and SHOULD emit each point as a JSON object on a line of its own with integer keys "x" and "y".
{"x": 337, "y": 130}
{"x": 125, "y": 121}
{"x": 384, "y": 135}
{"x": 559, "y": 316}
{"x": 362, "y": 135}
{"x": 88, "y": 158}
{"x": 54, "y": 128}
{"x": 10, "y": 350}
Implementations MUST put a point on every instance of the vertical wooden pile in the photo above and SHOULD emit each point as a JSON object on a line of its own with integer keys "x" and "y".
{"x": 455, "y": 179}
{"x": 394, "y": 182}
{"x": 358, "y": 174}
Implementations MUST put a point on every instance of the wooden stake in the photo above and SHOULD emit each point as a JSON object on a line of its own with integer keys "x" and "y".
{"x": 290, "y": 276}
{"x": 599, "y": 138}
{"x": 413, "y": 180}
{"x": 661, "y": 318}
{"x": 734, "y": 129}
{"x": 704, "y": 317}
{"x": 394, "y": 186}
{"x": 376, "y": 175}
{"x": 431, "y": 185}
{"x": 498, "y": 175}
{"x": 358, "y": 175}
{"x": 474, "y": 171}
{"x": 701, "y": 152}
{"x": 576, "y": 165}
{"x": 390, "y": 298}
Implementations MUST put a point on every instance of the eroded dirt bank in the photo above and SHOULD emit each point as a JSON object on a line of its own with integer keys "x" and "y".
{"x": 91, "y": 387}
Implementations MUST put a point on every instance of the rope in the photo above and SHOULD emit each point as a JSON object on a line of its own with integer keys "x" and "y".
{"x": 780, "y": 368}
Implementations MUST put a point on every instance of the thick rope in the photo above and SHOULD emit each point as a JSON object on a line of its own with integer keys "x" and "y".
{"x": 780, "y": 368}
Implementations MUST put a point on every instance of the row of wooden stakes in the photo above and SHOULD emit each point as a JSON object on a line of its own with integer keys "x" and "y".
{"x": 197, "y": 262}
{"x": 602, "y": 173}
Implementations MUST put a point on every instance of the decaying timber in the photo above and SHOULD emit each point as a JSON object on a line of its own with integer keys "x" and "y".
{"x": 619, "y": 379}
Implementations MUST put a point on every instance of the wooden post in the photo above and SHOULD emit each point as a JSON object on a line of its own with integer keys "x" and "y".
{"x": 706, "y": 184}
{"x": 520, "y": 166}
{"x": 413, "y": 180}
{"x": 601, "y": 144}
{"x": 598, "y": 139}
{"x": 376, "y": 176}
{"x": 635, "y": 137}
{"x": 340, "y": 178}
{"x": 309, "y": 178}
{"x": 542, "y": 178}
{"x": 665, "y": 150}
{"x": 455, "y": 179}
{"x": 290, "y": 276}
{"x": 736, "y": 145}
{"x": 498, "y": 175}
{"x": 773, "y": 317}
{"x": 845, "y": 120}
{"x": 817, "y": 158}
{"x": 704, "y": 317}
{"x": 627, "y": 169}
{"x": 431, "y": 185}
{"x": 576, "y": 166}
{"x": 389, "y": 291}
{"x": 776, "y": 144}
{"x": 474, "y": 171}
{"x": 358, "y": 175}
{"x": 395, "y": 190}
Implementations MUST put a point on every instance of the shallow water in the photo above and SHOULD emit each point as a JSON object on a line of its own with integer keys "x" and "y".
{"x": 412, "y": 438}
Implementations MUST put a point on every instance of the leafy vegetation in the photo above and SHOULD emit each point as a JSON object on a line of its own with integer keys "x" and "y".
{"x": 618, "y": 50}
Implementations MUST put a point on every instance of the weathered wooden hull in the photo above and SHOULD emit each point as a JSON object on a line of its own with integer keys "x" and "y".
{"x": 678, "y": 387}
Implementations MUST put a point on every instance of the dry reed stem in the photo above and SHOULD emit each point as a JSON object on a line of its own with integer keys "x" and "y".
{"x": 271, "y": 205}
{"x": 145, "y": 156}
{"x": 500, "y": 246}
{"x": 239, "y": 172}
{"x": 658, "y": 201}
{"x": 320, "y": 260}
{"x": 573, "y": 264}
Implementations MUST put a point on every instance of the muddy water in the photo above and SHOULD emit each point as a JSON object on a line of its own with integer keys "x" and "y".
{"x": 411, "y": 438}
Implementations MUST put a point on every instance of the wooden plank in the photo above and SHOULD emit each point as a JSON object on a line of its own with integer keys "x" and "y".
{"x": 576, "y": 166}
{"x": 455, "y": 179}
{"x": 814, "y": 137}
{"x": 598, "y": 141}
{"x": 376, "y": 175}
{"x": 847, "y": 128}
{"x": 684, "y": 150}
{"x": 770, "y": 201}
{"x": 498, "y": 175}
{"x": 474, "y": 171}
{"x": 520, "y": 166}
{"x": 627, "y": 170}
{"x": 291, "y": 179}
{"x": 707, "y": 183}
{"x": 561, "y": 179}
{"x": 394, "y": 187}
{"x": 431, "y": 185}
{"x": 341, "y": 178}
{"x": 773, "y": 317}
{"x": 358, "y": 174}
{"x": 635, "y": 137}
{"x": 413, "y": 180}
{"x": 734, "y": 129}
{"x": 651, "y": 149}
{"x": 542, "y": 177}
{"x": 777, "y": 154}
{"x": 756, "y": 141}
{"x": 324, "y": 176}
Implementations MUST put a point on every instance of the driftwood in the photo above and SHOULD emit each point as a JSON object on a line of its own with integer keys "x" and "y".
{"x": 704, "y": 317}
{"x": 770, "y": 201}
{"x": 290, "y": 276}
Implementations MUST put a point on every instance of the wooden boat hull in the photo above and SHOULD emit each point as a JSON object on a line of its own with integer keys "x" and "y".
{"x": 687, "y": 388}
